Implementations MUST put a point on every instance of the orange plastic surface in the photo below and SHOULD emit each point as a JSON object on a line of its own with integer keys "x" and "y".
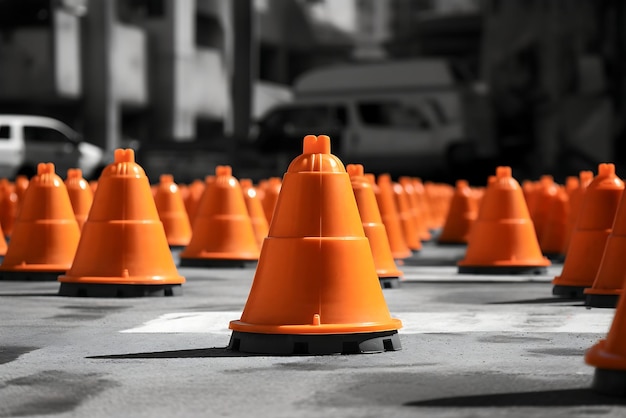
{"x": 222, "y": 228}
{"x": 553, "y": 239}
{"x": 46, "y": 233}
{"x": 80, "y": 195}
{"x": 316, "y": 274}
{"x": 372, "y": 223}
{"x": 389, "y": 214}
{"x": 271, "y": 191}
{"x": 503, "y": 234}
{"x": 123, "y": 240}
{"x": 610, "y": 353}
{"x": 192, "y": 198}
{"x": 419, "y": 214}
{"x": 409, "y": 229}
{"x": 171, "y": 209}
{"x": 594, "y": 224}
{"x": 461, "y": 215}
{"x": 255, "y": 210}
{"x": 9, "y": 206}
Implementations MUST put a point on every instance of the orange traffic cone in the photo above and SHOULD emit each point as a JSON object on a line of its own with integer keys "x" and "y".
{"x": 21, "y": 184}
{"x": 223, "y": 235}
{"x": 255, "y": 210}
{"x": 609, "y": 281}
{"x": 192, "y": 200}
{"x": 80, "y": 195}
{"x": 270, "y": 197}
{"x": 46, "y": 233}
{"x": 419, "y": 218}
{"x": 608, "y": 356}
{"x": 315, "y": 290}
{"x": 502, "y": 239}
{"x": 544, "y": 196}
{"x": 389, "y": 214}
{"x": 409, "y": 229}
{"x": 575, "y": 203}
{"x": 552, "y": 240}
{"x": 461, "y": 215}
{"x": 172, "y": 212}
{"x": 3, "y": 244}
{"x": 588, "y": 240}
{"x": 388, "y": 273}
{"x": 123, "y": 250}
{"x": 8, "y": 206}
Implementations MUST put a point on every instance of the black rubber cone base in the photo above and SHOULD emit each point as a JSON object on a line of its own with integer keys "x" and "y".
{"x": 601, "y": 301}
{"x": 216, "y": 263}
{"x": 118, "y": 290}
{"x": 503, "y": 270}
{"x": 322, "y": 344}
{"x": 389, "y": 282}
{"x": 570, "y": 292}
{"x": 31, "y": 276}
{"x": 610, "y": 382}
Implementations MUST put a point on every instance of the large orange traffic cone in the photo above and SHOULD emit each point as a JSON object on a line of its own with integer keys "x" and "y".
{"x": 588, "y": 240}
{"x": 172, "y": 212}
{"x": 502, "y": 239}
{"x": 388, "y": 273}
{"x": 80, "y": 195}
{"x": 315, "y": 290}
{"x": 609, "y": 281}
{"x": 391, "y": 220}
{"x": 46, "y": 233}
{"x": 461, "y": 215}
{"x": 255, "y": 210}
{"x": 608, "y": 356}
{"x": 223, "y": 235}
{"x": 123, "y": 250}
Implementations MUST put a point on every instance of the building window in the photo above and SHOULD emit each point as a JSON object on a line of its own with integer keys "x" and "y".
{"x": 393, "y": 115}
{"x": 209, "y": 32}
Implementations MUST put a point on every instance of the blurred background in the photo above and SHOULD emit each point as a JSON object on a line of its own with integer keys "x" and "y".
{"x": 441, "y": 89}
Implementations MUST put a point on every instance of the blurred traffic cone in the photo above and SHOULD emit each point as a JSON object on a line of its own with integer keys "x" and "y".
{"x": 315, "y": 290}
{"x": 270, "y": 197}
{"x": 553, "y": 239}
{"x": 21, "y": 184}
{"x": 389, "y": 214}
{"x": 80, "y": 195}
{"x": 93, "y": 184}
{"x": 255, "y": 210}
{"x": 46, "y": 233}
{"x": 388, "y": 273}
{"x": 123, "y": 250}
{"x": 172, "y": 212}
{"x": 502, "y": 239}
{"x": 461, "y": 215}
{"x": 3, "y": 244}
{"x": 588, "y": 240}
{"x": 8, "y": 206}
{"x": 223, "y": 235}
{"x": 419, "y": 218}
{"x": 609, "y": 281}
{"x": 409, "y": 230}
{"x": 544, "y": 196}
{"x": 608, "y": 356}
{"x": 426, "y": 209}
{"x": 192, "y": 200}
{"x": 575, "y": 203}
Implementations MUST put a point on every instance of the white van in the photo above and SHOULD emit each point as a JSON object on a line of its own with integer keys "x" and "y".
{"x": 401, "y": 117}
{"x": 27, "y": 140}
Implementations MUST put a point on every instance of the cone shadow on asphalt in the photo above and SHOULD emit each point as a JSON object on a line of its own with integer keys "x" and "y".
{"x": 191, "y": 353}
{"x": 550, "y": 398}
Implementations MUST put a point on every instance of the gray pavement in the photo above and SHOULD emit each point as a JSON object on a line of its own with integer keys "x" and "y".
{"x": 472, "y": 346}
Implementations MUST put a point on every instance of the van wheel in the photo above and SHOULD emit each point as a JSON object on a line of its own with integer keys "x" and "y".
{"x": 27, "y": 171}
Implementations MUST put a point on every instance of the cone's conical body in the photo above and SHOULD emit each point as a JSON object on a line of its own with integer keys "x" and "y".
{"x": 316, "y": 278}
{"x": 389, "y": 214}
{"x": 255, "y": 210}
{"x": 373, "y": 226}
{"x": 553, "y": 239}
{"x": 588, "y": 240}
{"x": 462, "y": 214}
{"x": 123, "y": 250}
{"x": 46, "y": 233}
{"x": 409, "y": 229}
{"x": 80, "y": 194}
{"x": 503, "y": 239}
{"x": 171, "y": 208}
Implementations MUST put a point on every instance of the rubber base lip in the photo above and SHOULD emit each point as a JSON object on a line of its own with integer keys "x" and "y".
{"x": 503, "y": 270}
{"x": 217, "y": 263}
{"x": 570, "y": 292}
{"x": 601, "y": 301}
{"x": 31, "y": 276}
{"x": 118, "y": 290}
{"x": 389, "y": 282}
{"x": 610, "y": 382}
{"x": 320, "y": 344}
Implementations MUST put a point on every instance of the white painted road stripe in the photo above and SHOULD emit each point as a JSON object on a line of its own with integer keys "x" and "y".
{"x": 585, "y": 321}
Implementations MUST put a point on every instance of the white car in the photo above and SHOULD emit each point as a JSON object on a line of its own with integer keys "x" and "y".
{"x": 27, "y": 140}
